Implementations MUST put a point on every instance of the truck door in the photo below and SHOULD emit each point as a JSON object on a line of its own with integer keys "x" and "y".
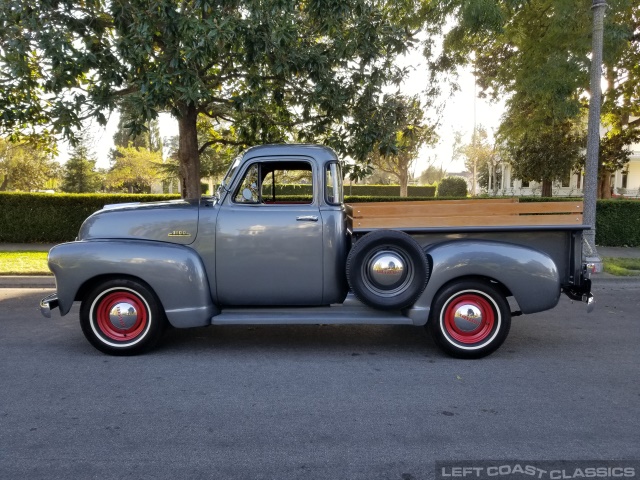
{"x": 269, "y": 237}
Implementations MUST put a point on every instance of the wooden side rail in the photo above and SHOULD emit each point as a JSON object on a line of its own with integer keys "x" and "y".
{"x": 463, "y": 213}
{"x": 374, "y": 206}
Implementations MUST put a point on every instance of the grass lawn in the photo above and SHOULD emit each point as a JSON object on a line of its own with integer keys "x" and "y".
{"x": 35, "y": 263}
{"x": 24, "y": 263}
{"x": 622, "y": 267}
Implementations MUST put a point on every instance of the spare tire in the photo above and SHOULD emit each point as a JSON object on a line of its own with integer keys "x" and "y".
{"x": 387, "y": 269}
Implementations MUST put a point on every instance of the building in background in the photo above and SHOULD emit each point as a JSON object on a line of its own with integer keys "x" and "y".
{"x": 624, "y": 183}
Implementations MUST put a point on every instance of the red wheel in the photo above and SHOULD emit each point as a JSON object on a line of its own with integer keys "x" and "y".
{"x": 469, "y": 319}
{"x": 122, "y": 317}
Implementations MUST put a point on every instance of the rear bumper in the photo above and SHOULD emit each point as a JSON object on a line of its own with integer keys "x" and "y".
{"x": 582, "y": 291}
{"x": 48, "y": 303}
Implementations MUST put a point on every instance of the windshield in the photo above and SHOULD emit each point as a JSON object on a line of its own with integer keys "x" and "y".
{"x": 232, "y": 171}
{"x": 228, "y": 176}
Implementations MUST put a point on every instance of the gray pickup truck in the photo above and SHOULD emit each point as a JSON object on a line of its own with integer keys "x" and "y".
{"x": 256, "y": 254}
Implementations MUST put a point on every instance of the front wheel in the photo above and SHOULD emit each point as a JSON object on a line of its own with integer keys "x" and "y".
{"x": 122, "y": 317}
{"x": 469, "y": 319}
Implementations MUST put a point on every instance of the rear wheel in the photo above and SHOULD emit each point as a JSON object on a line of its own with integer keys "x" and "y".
{"x": 469, "y": 319}
{"x": 122, "y": 317}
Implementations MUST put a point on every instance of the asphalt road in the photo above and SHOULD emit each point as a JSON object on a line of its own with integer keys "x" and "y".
{"x": 326, "y": 402}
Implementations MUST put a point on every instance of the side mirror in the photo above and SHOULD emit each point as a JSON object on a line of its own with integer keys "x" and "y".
{"x": 248, "y": 195}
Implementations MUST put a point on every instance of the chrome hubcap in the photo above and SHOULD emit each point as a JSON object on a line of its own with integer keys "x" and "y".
{"x": 387, "y": 269}
{"x": 468, "y": 317}
{"x": 123, "y": 315}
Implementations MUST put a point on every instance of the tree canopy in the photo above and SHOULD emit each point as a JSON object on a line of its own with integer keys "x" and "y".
{"x": 26, "y": 166}
{"x": 398, "y": 155}
{"x": 536, "y": 53}
{"x": 79, "y": 172}
{"x": 134, "y": 170}
{"x": 431, "y": 175}
{"x": 278, "y": 70}
{"x": 481, "y": 157}
{"x": 124, "y": 136}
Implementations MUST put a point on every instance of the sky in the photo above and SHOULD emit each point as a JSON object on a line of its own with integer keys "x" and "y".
{"x": 457, "y": 115}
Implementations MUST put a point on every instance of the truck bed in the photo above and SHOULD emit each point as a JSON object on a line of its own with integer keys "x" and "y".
{"x": 462, "y": 213}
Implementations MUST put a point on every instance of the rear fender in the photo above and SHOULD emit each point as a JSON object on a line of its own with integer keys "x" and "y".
{"x": 174, "y": 272}
{"x": 531, "y": 276}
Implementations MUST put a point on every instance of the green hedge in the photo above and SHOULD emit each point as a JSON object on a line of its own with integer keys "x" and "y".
{"x": 618, "y": 223}
{"x": 51, "y": 218}
{"x": 452, "y": 187}
{"x": 363, "y": 190}
{"x": 377, "y": 198}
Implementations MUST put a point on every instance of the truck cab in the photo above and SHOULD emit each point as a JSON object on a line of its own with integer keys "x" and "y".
{"x": 276, "y": 247}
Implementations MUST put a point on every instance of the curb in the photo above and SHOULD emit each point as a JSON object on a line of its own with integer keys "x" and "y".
{"x": 27, "y": 281}
{"x": 613, "y": 280}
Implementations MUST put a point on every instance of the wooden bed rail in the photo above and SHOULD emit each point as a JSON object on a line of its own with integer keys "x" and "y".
{"x": 449, "y": 213}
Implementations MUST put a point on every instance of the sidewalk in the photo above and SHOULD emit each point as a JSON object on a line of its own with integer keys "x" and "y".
{"x": 619, "y": 252}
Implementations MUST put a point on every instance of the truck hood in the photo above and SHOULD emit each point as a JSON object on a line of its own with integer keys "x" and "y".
{"x": 174, "y": 221}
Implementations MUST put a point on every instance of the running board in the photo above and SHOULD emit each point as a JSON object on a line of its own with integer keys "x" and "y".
{"x": 341, "y": 314}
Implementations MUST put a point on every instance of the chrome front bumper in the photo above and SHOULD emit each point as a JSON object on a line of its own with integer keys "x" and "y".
{"x": 48, "y": 303}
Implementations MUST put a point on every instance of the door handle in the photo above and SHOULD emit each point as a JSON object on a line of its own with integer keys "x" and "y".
{"x": 307, "y": 218}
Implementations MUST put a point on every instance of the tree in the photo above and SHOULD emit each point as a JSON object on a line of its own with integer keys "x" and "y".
{"x": 148, "y": 138}
{"x": 134, "y": 169}
{"x": 215, "y": 157}
{"x": 480, "y": 155}
{"x": 456, "y": 147}
{"x": 543, "y": 155}
{"x": 79, "y": 172}
{"x": 431, "y": 175}
{"x": 278, "y": 70}
{"x": 537, "y": 54}
{"x": 397, "y": 156}
{"x": 25, "y": 166}
{"x": 622, "y": 96}
{"x": 356, "y": 172}
{"x": 615, "y": 149}
{"x": 379, "y": 177}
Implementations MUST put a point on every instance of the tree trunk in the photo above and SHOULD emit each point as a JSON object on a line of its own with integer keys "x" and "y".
{"x": 475, "y": 178}
{"x": 5, "y": 183}
{"x": 404, "y": 181}
{"x": 188, "y": 154}
{"x": 604, "y": 184}
{"x": 494, "y": 171}
{"x": 547, "y": 188}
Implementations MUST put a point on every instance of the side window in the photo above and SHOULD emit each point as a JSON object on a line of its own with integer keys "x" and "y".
{"x": 286, "y": 183}
{"x": 276, "y": 183}
{"x": 333, "y": 184}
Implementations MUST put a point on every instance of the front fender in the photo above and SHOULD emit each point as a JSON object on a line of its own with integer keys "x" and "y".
{"x": 530, "y": 275}
{"x": 174, "y": 272}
